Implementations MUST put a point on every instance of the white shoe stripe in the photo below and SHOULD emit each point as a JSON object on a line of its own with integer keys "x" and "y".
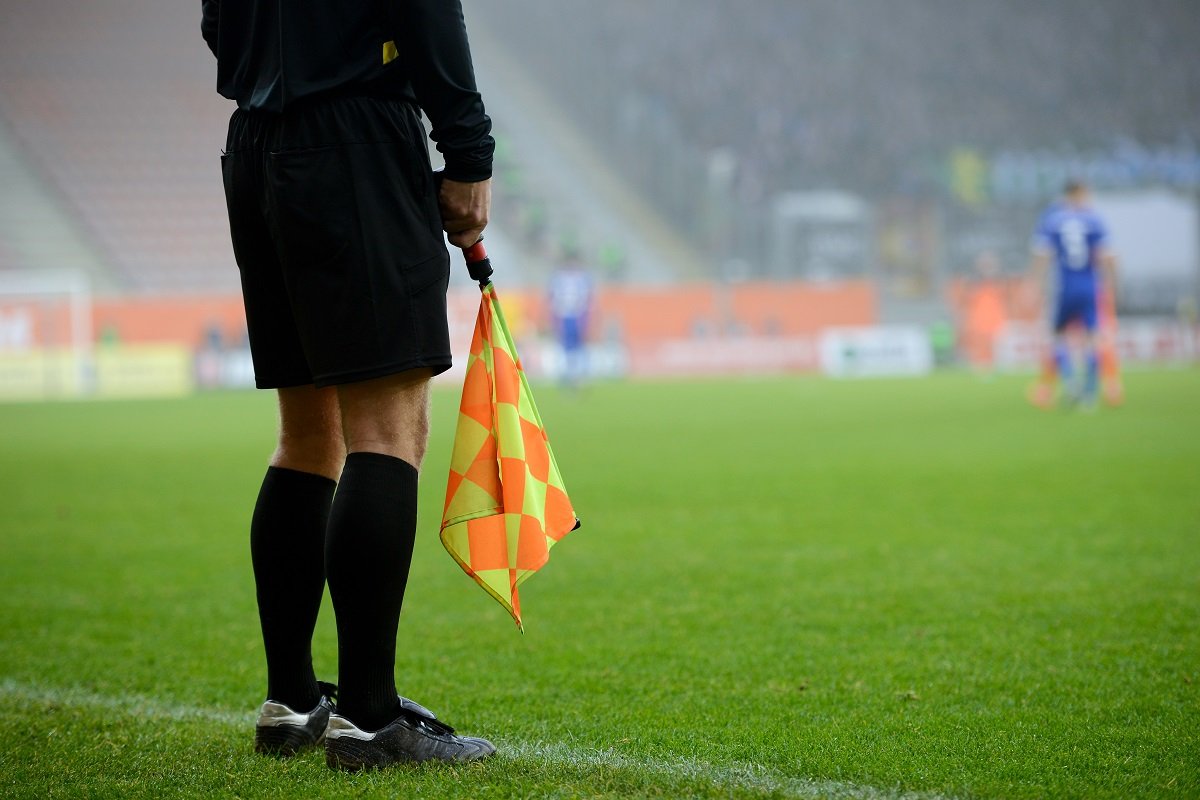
{"x": 273, "y": 714}
{"x": 340, "y": 727}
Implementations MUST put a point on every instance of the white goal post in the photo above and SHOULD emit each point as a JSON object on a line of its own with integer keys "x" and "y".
{"x": 46, "y": 339}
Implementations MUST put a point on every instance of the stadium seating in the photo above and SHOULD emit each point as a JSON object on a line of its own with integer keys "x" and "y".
{"x": 803, "y": 91}
{"x": 869, "y": 97}
{"x": 112, "y": 101}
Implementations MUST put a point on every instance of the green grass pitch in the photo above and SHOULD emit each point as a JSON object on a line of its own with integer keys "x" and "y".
{"x": 783, "y": 588}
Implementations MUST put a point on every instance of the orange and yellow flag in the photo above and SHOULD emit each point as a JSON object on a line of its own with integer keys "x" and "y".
{"x": 505, "y": 501}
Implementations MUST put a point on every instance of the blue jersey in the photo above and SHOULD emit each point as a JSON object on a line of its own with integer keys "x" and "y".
{"x": 1073, "y": 236}
{"x": 570, "y": 302}
{"x": 570, "y": 294}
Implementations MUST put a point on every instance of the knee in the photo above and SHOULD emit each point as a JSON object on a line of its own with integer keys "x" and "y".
{"x": 322, "y": 452}
{"x": 406, "y": 439}
{"x": 388, "y": 415}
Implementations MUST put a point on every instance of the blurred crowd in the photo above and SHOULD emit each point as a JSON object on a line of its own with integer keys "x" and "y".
{"x": 709, "y": 109}
{"x": 864, "y": 95}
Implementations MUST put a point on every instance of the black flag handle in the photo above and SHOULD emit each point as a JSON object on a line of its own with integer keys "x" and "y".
{"x": 478, "y": 264}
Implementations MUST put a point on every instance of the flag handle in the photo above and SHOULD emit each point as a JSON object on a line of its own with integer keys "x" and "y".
{"x": 478, "y": 264}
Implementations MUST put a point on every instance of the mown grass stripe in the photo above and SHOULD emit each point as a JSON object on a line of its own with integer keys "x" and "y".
{"x": 734, "y": 776}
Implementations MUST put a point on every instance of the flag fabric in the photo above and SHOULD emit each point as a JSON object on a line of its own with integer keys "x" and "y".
{"x": 505, "y": 501}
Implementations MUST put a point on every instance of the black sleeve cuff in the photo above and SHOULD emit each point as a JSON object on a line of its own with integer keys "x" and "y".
{"x": 473, "y": 175}
{"x": 470, "y": 165}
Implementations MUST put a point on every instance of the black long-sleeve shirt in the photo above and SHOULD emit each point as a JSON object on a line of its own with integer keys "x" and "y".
{"x": 272, "y": 54}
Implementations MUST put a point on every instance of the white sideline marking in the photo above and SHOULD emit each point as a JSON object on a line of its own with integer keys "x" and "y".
{"x": 731, "y": 776}
{"x": 133, "y": 705}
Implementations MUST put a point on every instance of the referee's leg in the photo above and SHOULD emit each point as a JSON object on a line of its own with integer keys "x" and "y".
{"x": 287, "y": 540}
{"x": 372, "y": 529}
{"x": 388, "y": 415}
{"x": 310, "y": 432}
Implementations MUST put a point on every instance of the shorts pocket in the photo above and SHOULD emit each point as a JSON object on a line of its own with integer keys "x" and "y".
{"x": 432, "y": 272}
{"x": 312, "y": 200}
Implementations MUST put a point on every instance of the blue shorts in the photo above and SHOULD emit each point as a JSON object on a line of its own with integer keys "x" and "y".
{"x": 1075, "y": 307}
{"x": 570, "y": 333}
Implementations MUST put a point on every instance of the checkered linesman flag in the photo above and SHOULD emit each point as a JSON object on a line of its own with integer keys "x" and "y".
{"x": 506, "y": 505}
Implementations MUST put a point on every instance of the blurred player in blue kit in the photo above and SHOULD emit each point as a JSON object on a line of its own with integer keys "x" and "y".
{"x": 570, "y": 305}
{"x": 1073, "y": 238}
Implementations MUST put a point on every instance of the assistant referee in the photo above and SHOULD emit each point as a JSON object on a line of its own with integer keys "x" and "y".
{"x": 337, "y": 230}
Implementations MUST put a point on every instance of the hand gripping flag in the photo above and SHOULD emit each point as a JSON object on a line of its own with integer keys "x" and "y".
{"x": 505, "y": 501}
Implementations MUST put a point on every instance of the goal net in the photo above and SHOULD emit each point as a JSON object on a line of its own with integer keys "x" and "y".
{"x": 46, "y": 341}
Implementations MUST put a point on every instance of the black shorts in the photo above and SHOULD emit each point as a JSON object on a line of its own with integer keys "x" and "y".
{"x": 337, "y": 235}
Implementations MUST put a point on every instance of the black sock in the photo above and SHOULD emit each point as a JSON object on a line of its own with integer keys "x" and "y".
{"x": 287, "y": 540}
{"x": 368, "y": 551}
